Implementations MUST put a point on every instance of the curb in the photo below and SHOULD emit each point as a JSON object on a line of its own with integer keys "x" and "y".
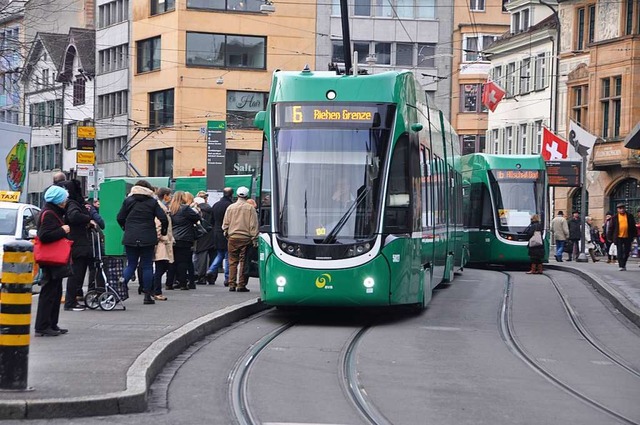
{"x": 140, "y": 375}
{"x": 628, "y": 309}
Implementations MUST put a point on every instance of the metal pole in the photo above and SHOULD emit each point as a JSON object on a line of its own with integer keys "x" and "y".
{"x": 346, "y": 36}
{"x": 582, "y": 257}
{"x": 15, "y": 315}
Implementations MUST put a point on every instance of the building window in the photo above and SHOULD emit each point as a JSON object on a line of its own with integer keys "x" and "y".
{"x": 362, "y": 49}
{"x": 242, "y": 162}
{"x": 476, "y": 5}
{"x": 495, "y": 138}
{"x": 337, "y": 50}
{"x": 148, "y": 53}
{"x": 525, "y": 76}
{"x": 629, "y": 12}
{"x": 523, "y": 138}
{"x": 44, "y": 114}
{"x": 242, "y": 107}
{"x": 404, "y": 9}
{"x": 524, "y": 16}
{"x": 426, "y": 56}
{"x": 592, "y": 24}
{"x": 472, "y": 47}
{"x": 78, "y": 91}
{"x": 537, "y": 133}
{"x": 580, "y": 104}
{"x": 107, "y": 149}
{"x": 112, "y": 104}
{"x": 44, "y": 158}
{"x": 112, "y": 13}
{"x": 161, "y": 108}
{"x": 113, "y": 58}
{"x": 610, "y": 102}
{"x": 162, "y": 6}
{"x": 541, "y": 77}
{"x": 383, "y": 53}
{"x": 470, "y": 98}
{"x": 512, "y": 80}
{"x": 472, "y": 143}
{"x": 404, "y": 54}
{"x": 161, "y": 162}
{"x": 508, "y": 140}
{"x": 229, "y": 51}
{"x": 230, "y": 5}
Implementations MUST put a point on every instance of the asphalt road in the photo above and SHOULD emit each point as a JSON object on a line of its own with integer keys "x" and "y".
{"x": 449, "y": 365}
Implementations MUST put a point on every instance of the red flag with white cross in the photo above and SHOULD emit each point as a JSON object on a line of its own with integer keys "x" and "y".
{"x": 492, "y": 94}
{"x": 554, "y": 148}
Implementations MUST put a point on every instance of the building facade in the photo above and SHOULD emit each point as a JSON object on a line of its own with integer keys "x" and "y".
{"x": 413, "y": 34}
{"x": 13, "y": 50}
{"x": 204, "y": 60}
{"x": 522, "y": 63}
{"x": 476, "y": 25}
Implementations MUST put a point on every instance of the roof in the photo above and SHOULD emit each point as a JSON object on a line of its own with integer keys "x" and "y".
{"x": 54, "y": 44}
{"x": 85, "y": 42}
{"x": 549, "y": 22}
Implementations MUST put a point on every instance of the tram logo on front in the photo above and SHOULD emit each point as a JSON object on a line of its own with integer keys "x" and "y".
{"x": 323, "y": 280}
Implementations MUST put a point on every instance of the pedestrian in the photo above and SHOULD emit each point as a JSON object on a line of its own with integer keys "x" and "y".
{"x": 94, "y": 274}
{"x": 574, "y": 236}
{"x": 219, "y": 240}
{"x": 560, "y": 230}
{"x": 183, "y": 218}
{"x": 163, "y": 255}
{"x": 137, "y": 219}
{"x": 205, "y": 250}
{"x": 622, "y": 232}
{"x": 240, "y": 226}
{"x": 79, "y": 219}
{"x": 591, "y": 237}
{"x": 606, "y": 227}
{"x": 51, "y": 228}
{"x": 535, "y": 245}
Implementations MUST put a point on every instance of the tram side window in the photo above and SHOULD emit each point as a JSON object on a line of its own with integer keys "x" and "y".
{"x": 425, "y": 159}
{"x": 265, "y": 186}
{"x": 397, "y": 217}
{"x": 480, "y": 214}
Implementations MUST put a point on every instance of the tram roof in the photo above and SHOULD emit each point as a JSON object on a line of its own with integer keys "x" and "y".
{"x": 489, "y": 161}
{"x": 299, "y": 86}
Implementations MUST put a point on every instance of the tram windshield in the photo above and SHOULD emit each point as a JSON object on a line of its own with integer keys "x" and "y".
{"x": 517, "y": 195}
{"x": 328, "y": 182}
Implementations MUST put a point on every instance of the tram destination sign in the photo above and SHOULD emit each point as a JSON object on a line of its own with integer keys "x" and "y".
{"x": 564, "y": 173}
{"x": 528, "y": 175}
{"x": 345, "y": 114}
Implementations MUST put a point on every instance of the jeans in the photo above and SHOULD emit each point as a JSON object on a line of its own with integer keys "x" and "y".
{"x": 559, "y": 248}
{"x": 144, "y": 254}
{"x": 222, "y": 254}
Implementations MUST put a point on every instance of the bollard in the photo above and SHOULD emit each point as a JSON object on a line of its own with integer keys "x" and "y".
{"x": 15, "y": 315}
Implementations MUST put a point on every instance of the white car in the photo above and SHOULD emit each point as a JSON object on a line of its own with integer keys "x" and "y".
{"x": 16, "y": 220}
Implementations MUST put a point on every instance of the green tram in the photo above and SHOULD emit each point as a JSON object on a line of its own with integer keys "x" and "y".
{"x": 360, "y": 202}
{"x": 501, "y": 193}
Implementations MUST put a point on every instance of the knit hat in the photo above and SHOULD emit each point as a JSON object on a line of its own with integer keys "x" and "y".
{"x": 56, "y": 195}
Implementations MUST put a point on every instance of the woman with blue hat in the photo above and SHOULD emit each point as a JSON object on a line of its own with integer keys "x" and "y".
{"x": 51, "y": 229}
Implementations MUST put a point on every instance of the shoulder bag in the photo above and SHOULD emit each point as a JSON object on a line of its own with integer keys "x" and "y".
{"x": 536, "y": 239}
{"x": 55, "y": 253}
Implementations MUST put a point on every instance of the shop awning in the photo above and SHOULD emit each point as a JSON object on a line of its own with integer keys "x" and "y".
{"x": 632, "y": 141}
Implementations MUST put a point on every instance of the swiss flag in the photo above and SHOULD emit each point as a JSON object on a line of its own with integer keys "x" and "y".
{"x": 554, "y": 147}
{"x": 492, "y": 94}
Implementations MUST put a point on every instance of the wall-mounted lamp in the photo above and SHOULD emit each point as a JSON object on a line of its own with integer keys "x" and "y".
{"x": 220, "y": 81}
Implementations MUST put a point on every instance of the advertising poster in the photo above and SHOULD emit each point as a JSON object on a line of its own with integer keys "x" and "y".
{"x": 14, "y": 158}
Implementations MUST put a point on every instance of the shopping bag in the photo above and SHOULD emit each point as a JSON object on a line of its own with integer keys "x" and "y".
{"x": 613, "y": 250}
{"x": 52, "y": 254}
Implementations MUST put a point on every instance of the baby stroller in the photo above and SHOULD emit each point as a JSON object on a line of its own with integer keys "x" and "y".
{"x": 600, "y": 247}
{"x": 114, "y": 291}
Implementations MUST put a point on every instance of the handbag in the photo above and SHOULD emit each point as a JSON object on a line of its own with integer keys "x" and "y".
{"x": 55, "y": 253}
{"x": 536, "y": 239}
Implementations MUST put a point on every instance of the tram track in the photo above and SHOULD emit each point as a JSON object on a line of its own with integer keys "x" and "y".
{"x": 506, "y": 328}
{"x": 240, "y": 374}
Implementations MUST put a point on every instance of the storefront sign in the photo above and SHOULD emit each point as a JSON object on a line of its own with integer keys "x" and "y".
{"x": 216, "y": 147}
{"x": 564, "y": 173}
{"x": 245, "y": 101}
{"x": 607, "y": 154}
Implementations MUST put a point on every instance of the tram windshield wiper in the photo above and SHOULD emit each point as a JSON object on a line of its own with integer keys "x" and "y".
{"x": 331, "y": 236}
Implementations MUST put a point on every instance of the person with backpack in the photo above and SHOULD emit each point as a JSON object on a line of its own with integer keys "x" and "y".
{"x": 137, "y": 218}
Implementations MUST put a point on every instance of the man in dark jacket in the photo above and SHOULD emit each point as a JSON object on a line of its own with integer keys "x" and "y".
{"x": 622, "y": 232}
{"x": 220, "y": 241}
{"x": 205, "y": 247}
{"x": 137, "y": 218}
{"x": 574, "y": 236}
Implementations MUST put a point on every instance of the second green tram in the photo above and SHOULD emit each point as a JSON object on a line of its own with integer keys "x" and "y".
{"x": 501, "y": 194}
{"x": 361, "y": 203}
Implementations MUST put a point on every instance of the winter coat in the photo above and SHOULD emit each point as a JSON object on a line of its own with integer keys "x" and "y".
{"x": 560, "y": 228}
{"x": 612, "y": 233}
{"x": 535, "y": 252}
{"x": 137, "y": 218}
{"x": 219, "y": 209}
{"x": 206, "y": 242}
{"x": 241, "y": 221}
{"x": 50, "y": 230}
{"x": 78, "y": 218}
{"x": 95, "y": 215}
{"x": 183, "y": 223}
{"x": 574, "y": 229}
{"x": 164, "y": 248}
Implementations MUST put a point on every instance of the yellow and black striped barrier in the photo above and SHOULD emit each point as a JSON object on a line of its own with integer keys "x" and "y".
{"x": 15, "y": 314}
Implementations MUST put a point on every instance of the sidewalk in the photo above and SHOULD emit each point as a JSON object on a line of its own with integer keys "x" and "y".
{"x": 107, "y": 361}
{"x": 622, "y": 288}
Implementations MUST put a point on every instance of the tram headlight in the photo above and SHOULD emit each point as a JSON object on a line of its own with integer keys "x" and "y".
{"x": 281, "y": 281}
{"x": 290, "y": 249}
{"x": 368, "y": 282}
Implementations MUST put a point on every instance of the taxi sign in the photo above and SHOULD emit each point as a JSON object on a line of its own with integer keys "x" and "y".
{"x": 86, "y": 157}
{"x": 9, "y": 196}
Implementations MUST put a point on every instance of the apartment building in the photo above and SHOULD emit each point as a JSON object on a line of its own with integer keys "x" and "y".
{"x": 395, "y": 34}
{"x": 206, "y": 60}
{"x": 12, "y": 52}
{"x": 476, "y": 25}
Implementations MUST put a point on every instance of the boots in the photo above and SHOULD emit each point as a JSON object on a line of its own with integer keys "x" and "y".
{"x": 539, "y": 268}
{"x": 148, "y": 299}
{"x": 533, "y": 269}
